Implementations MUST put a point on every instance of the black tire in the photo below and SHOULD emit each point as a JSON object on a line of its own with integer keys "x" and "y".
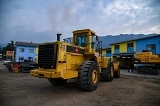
{"x": 57, "y": 81}
{"x": 88, "y": 76}
{"x": 107, "y": 74}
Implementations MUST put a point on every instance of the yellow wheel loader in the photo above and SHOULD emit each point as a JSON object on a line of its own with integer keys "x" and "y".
{"x": 82, "y": 59}
{"x": 147, "y": 63}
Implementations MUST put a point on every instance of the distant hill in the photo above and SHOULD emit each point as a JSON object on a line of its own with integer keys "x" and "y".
{"x": 3, "y": 45}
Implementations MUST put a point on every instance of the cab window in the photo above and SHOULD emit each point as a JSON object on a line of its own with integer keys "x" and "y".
{"x": 81, "y": 40}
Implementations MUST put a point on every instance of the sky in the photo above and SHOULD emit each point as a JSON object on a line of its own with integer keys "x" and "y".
{"x": 40, "y": 20}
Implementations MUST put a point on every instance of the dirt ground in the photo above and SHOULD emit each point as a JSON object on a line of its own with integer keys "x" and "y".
{"x": 21, "y": 89}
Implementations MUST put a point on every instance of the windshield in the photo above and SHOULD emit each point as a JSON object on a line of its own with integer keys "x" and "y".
{"x": 81, "y": 40}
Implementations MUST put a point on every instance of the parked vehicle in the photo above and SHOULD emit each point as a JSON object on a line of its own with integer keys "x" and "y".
{"x": 147, "y": 63}
{"x": 7, "y": 61}
{"x": 22, "y": 66}
{"x": 60, "y": 61}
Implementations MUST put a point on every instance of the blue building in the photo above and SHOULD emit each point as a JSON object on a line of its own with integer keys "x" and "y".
{"x": 151, "y": 43}
{"x": 25, "y": 51}
{"x": 124, "y": 51}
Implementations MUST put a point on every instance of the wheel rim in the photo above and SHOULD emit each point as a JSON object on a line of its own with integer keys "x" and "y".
{"x": 94, "y": 76}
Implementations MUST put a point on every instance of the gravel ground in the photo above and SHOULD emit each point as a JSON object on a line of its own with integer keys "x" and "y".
{"x": 21, "y": 89}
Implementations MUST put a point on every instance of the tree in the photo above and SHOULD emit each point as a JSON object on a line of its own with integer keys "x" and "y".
{"x": 1, "y": 50}
{"x": 10, "y": 47}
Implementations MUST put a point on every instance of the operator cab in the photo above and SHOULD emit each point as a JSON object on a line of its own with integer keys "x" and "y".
{"x": 85, "y": 38}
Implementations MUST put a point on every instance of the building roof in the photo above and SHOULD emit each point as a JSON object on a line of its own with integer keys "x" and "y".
{"x": 17, "y": 43}
{"x": 136, "y": 39}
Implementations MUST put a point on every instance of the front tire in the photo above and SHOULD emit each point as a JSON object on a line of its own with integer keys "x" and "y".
{"x": 88, "y": 76}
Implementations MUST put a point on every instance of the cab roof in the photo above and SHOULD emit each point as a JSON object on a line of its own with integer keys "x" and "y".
{"x": 83, "y": 31}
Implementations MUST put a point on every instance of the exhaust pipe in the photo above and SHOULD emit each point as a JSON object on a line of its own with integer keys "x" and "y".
{"x": 58, "y": 36}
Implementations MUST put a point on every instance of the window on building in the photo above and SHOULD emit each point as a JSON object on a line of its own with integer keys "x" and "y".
{"x": 116, "y": 48}
{"x": 30, "y": 58}
{"x": 21, "y": 58}
{"x": 108, "y": 51}
{"x": 21, "y": 49}
{"x": 31, "y": 50}
{"x": 129, "y": 44}
{"x": 130, "y": 47}
{"x": 151, "y": 48}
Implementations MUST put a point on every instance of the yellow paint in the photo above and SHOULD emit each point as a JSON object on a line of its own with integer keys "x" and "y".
{"x": 37, "y": 50}
{"x": 112, "y": 49}
{"x": 94, "y": 76}
{"x": 123, "y": 46}
{"x": 105, "y": 62}
{"x": 134, "y": 43}
{"x": 116, "y": 66}
{"x": 147, "y": 57}
{"x": 103, "y": 51}
{"x": 36, "y": 59}
{"x": 51, "y": 74}
{"x": 62, "y": 55}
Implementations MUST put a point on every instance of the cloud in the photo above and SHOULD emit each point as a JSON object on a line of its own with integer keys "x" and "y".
{"x": 131, "y": 16}
{"x": 40, "y": 20}
{"x": 64, "y": 16}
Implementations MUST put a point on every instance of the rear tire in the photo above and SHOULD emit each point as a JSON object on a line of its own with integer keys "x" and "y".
{"x": 57, "y": 81}
{"x": 107, "y": 74}
{"x": 88, "y": 76}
